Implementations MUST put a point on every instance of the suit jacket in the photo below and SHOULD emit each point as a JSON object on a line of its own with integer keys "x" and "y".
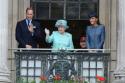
{"x": 95, "y": 36}
{"x": 25, "y": 37}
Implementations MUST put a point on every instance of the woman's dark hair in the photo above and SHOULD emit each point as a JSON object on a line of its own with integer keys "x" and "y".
{"x": 93, "y": 14}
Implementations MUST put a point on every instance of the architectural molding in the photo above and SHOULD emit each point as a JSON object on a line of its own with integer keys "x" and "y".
{"x": 4, "y": 71}
{"x": 120, "y": 71}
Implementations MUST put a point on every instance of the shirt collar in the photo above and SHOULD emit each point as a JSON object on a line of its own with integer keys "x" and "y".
{"x": 28, "y": 22}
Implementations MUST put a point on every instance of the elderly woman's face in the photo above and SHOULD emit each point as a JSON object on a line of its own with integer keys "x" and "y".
{"x": 61, "y": 29}
{"x": 93, "y": 20}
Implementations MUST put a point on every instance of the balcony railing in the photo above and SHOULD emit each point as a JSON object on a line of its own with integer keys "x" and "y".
{"x": 77, "y": 63}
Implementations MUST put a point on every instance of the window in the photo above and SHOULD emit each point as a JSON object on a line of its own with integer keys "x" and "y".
{"x": 57, "y": 10}
{"x": 44, "y": 7}
{"x": 72, "y": 11}
{"x": 64, "y": 9}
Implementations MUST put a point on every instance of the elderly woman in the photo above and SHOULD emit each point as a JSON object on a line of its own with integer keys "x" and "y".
{"x": 60, "y": 39}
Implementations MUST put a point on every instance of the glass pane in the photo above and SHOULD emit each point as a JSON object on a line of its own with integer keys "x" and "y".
{"x": 99, "y": 64}
{"x": 23, "y": 63}
{"x": 39, "y": 0}
{"x": 57, "y": 0}
{"x": 24, "y": 79}
{"x": 85, "y": 64}
{"x": 92, "y": 72}
{"x": 38, "y": 72}
{"x": 30, "y": 72}
{"x": 37, "y": 80}
{"x": 92, "y": 64}
{"x": 57, "y": 10}
{"x": 30, "y": 79}
{"x": 100, "y": 72}
{"x": 85, "y": 72}
{"x": 72, "y": 0}
{"x": 92, "y": 80}
{"x": 96, "y": 1}
{"x": 85, "y": 9}
{"x": 31, "y": 63}
{"x": 38, "y": 63}
{"x": 72, "y": 11}
{"x": 89, "y": 1}
{"x": 42, "y": 11}
{"x": 23, "y": 72}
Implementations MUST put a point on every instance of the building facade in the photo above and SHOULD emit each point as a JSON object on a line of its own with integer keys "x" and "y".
{"x": 111, "y": 14}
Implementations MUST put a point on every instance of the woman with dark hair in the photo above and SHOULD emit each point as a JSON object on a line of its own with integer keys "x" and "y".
{"x": 95, "y": 33}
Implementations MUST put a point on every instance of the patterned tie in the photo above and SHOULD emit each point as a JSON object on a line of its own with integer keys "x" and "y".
{"x": 28, "y": 22}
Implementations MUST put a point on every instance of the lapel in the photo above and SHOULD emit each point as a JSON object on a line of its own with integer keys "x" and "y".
{"x": 33, "y": 22}
{"x": 24, "y": 25}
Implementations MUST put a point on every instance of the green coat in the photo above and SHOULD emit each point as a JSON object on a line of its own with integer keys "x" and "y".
{"x": 60, "y": 41}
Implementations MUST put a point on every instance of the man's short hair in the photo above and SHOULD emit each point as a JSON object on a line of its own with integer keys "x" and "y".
{"x": 29, "y": 8}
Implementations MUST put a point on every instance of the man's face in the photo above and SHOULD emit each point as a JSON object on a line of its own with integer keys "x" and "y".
{"x": 29, "y": 14}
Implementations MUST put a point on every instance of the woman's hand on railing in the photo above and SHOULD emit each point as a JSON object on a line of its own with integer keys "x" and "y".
{"x": 28, "y": 46}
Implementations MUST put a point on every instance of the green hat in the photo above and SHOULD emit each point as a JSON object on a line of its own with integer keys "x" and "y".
{"x": 61, "y": 23}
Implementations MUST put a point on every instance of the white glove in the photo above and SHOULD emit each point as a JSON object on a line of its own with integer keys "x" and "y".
{"x": 47, "y": 32}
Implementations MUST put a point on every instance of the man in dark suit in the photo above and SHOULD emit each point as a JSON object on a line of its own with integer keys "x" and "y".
{"x": 28, "y": 32}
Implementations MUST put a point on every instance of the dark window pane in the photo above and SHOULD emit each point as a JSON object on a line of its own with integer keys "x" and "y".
{"x": 85, "y": 9}
{"x": 72, "y": 0}
{"x": 89, "y": 1}
{"x": 39, "y": 0}
{"x": 42, "y": 11}
{"x": 72, "y": 11}
{"x": 57, "y": 10}
{"x": 57, "y": 0}
{"x": 95, "y": 1}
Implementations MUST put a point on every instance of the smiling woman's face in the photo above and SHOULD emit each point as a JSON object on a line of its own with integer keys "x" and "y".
{"x": 61, "y": 29}
{"x": 93, "y": 20}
